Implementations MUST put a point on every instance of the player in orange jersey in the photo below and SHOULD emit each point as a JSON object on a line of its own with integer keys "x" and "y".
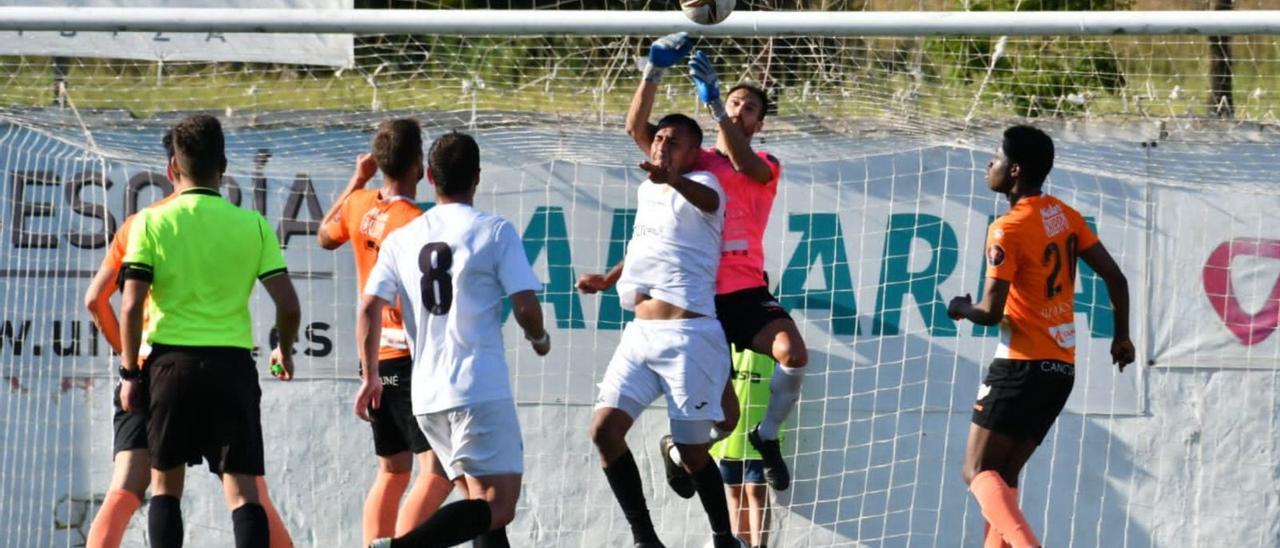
{"x": 130, "y": 475}
{"x": 1031, "y": 257}
{"x": 365, "y": 216}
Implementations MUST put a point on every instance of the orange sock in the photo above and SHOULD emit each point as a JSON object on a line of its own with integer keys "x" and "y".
{"x": 1000, "y": 506}
{"x": 113, "y": 519}
{"x": 381, "y": 504}
{"x": 279, "y": 534}
{"x": 424, "y": 498}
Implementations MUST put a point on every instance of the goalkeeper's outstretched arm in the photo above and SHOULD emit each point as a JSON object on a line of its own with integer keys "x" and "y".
{"x": 664, "y": 53}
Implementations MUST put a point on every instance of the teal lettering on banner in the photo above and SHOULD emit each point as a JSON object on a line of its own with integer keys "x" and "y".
{"x": 896, "y": 281}
{"x": 612, "y": 316}
{"x": 1091, "y": 299}
{"x": 548, "y": 230}
{"x": 821, "y": 243}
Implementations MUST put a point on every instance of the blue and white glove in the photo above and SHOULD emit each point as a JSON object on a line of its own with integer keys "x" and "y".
{"x": 664, "y": 53}
{"x": 707, "y": 84}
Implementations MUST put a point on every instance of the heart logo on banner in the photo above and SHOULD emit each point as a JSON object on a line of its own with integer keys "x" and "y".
{"x": 1253, "y": 328}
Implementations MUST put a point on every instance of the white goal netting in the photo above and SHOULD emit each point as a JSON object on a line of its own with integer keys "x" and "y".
{"x": 880, "y": 220}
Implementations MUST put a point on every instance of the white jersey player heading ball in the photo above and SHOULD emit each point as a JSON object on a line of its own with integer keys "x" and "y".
{"x": 450, "y": 268}
{"x": 675, "y": 347}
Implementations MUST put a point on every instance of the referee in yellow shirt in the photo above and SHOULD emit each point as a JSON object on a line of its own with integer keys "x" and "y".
{"x": 199, "y": 256}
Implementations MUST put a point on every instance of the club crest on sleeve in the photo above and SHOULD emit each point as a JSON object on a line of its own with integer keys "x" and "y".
{"x": 995, "y": 255}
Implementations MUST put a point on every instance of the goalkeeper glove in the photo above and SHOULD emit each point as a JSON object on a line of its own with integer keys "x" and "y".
{"x": 664, "y": 53}
{"x": 707, "y": 84}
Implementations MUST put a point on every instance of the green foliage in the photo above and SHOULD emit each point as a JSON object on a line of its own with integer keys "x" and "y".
{"x": 1036, "y": 75}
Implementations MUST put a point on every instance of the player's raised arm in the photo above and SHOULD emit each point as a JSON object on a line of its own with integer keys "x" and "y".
{"x": 738, "y": 145}
{"x": 332, "y": 234}
{"x": 701, "y": 196}
{"x": 664, "y": 53}
{"x": 1097, "y": 257}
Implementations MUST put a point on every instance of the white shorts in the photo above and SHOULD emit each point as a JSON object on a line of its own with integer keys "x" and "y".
{"x": 685, "y": 360}
{"x": 476, "y": 440}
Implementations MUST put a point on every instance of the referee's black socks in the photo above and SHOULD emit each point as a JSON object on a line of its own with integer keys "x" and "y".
{"x": 250, "y": 524}
{"x": 451, "y": 525}
{"x": 624, "y": 480}
{"x": 710, "y": 489}
{"x": 164, "y": 521}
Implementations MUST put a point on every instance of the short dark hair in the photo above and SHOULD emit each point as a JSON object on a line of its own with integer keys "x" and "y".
{"x": 765, "y": 105}
{"x": 200, "y": 148}
{"x": 397, "y": 145}
{"x": 454, "y": 163}
{"x": 167, "y": 142}
{"x": 1031, "y": 149}
{"x": 679, "y": 120}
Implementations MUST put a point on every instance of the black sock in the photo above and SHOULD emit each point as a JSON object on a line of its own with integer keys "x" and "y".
{"x": 624, "y": 480}
{"x": 493, "y": 539}
{"x": 711, "y": 492}
{"x": 451, "y": 525}
{"x": 250, "y": 524}
{"x": 164, "y": 521}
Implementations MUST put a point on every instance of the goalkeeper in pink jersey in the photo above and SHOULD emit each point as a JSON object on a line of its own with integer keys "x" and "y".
{"x": 749, "y": 313}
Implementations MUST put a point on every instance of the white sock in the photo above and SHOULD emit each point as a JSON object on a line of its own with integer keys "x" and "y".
{"x": 675, "y": 455}
{"x": 784, "y": 392}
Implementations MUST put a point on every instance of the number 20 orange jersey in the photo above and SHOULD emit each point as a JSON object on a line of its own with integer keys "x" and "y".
{"x": 1035, "y": 247}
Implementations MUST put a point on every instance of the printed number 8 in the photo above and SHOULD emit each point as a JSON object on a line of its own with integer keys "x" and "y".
{"x": 434, "y": 261}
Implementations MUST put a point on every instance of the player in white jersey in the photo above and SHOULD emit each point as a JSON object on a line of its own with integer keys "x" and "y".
{"x": 675, "y": 347}
{"x": 450, "y": 268}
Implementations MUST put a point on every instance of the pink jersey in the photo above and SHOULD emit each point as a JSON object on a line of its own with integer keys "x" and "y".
{"x": 746, "y": 217}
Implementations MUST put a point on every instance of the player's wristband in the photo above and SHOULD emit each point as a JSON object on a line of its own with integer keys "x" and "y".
{"x": 716, "y": 108}
{"x": 544, "y": 339}
{"x": 127, "y": 374}
{"x": 653, "y": 73}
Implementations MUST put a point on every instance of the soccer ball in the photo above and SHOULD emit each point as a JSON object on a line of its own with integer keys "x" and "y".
{"x": 707, "y": 12}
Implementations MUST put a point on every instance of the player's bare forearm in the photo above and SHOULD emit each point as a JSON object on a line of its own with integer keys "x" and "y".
{"x": 1118, "y": 288}
{"x": 528, "y": 313}
{"x": 700, "y": 195}
{"x": 131, "y": 308}
{"x": 614, "y": 274}
{"x": 369, "y": 333}
{"x": 97, "y": 299}
{"x": 988, "y": 312}
{"x": 740, "y": 154}
{"x": 638, "y": 126}
{"x": 1100, "y": 260}
{"x": 288, "y": 310}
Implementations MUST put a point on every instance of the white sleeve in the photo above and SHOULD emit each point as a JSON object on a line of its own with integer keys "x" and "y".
{"x": 514, "y": 272}
{"x": 384, "y": 279}
{"x": 707, "y": 179}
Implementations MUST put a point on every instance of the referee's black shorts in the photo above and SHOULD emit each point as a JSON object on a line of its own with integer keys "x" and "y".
{"x": 205, "y": 404}
{"x": 1022, "y": 398}
{"x": 395, "y": 429}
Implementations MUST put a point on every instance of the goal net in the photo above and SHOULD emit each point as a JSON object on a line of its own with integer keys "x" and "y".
{"x": 1167, "y": 144}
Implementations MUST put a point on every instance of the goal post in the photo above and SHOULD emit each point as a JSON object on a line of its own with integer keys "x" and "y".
{"x": 884, "y": 123}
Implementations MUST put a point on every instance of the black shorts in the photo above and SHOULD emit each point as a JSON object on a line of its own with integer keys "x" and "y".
{"x": 745, "y": 312}
{"x": 395, "y": 430}
{"x": 130, "y": 428}
{"x": 205, "y": 404}
{"x": 1022, "y": 398}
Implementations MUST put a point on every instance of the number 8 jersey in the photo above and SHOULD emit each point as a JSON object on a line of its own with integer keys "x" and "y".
{"x": 1034, "y": 247}
{"x": 451, "y": 267}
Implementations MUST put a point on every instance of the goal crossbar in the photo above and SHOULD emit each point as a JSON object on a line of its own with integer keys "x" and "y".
{"x": 543, "y": 22}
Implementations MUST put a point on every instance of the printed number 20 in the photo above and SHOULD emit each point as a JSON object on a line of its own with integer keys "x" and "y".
{"x": 1052, "y": 253}
{"x": 435, "y": 260}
